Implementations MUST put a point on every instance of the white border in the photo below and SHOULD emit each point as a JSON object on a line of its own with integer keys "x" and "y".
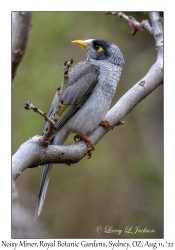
{"x": 5, "y": 96}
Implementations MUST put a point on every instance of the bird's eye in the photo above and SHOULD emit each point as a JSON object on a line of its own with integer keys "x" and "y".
{"x": 98, "y": 48}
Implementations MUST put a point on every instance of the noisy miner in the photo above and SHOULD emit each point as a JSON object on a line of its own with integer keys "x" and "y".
{"x": 86, "y": 99}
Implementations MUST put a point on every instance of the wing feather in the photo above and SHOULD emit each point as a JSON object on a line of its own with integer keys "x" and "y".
{"x": 83, "y": 79}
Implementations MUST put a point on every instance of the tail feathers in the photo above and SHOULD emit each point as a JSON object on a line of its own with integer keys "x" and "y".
{"x": 42, "y": 189}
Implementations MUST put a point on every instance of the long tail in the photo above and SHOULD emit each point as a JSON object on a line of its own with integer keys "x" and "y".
{"x": 42, "y": 189}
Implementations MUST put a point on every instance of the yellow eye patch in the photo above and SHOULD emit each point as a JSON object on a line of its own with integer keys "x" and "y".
{"x": 100, "y": 49}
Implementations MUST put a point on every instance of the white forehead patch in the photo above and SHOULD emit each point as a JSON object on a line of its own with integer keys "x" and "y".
{"x": 89, "y": 41}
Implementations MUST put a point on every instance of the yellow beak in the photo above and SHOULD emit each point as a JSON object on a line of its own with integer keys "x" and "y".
{"x": 81, "y": 42}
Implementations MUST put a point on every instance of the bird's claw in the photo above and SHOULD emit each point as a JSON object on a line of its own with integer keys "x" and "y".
{"x": 106, "y": 124}
{"x": 90, "y": 148}
{"x": 88, "y": 142}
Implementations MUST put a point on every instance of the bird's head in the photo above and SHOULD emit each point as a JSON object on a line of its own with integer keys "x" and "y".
{"x": 101, "y": 50}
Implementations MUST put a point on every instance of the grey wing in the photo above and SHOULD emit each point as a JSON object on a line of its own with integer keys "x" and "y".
{"x": 73, "y": 77}
{"x": 82, "y": 80}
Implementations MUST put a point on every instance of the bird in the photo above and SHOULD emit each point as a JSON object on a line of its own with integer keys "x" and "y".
{"x": 86, "y": 99}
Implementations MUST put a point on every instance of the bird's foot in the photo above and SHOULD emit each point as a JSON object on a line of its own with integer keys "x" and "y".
{"x": 86, "y": 140}
{"x": 106, "y": 124}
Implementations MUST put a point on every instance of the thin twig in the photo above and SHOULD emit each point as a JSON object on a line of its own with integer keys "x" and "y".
{"x": 133, "y": 22}
{"x": 29, "y": 105}
{"x": 45, "y": 139}
{"x": 61, "y": 88}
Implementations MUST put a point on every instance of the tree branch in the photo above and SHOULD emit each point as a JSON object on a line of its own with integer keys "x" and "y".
{"x": 32, "y": 154}
{"x": 133, "y": 22}
{"x": 20, "y": 29}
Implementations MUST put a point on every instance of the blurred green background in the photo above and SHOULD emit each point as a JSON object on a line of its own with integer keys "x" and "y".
{"x": 122, "y": 184}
